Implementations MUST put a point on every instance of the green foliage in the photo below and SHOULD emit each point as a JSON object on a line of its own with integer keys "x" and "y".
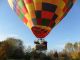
{"x": 13, "y": 48}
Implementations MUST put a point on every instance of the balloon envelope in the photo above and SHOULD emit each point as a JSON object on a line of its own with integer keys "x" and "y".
{"x": 41, "y": 15}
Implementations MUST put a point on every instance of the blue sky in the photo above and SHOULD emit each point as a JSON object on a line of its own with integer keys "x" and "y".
{"x": 68, "y": 30}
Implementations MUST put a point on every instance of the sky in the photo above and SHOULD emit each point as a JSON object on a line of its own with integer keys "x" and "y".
{"x": 68, "y": 30}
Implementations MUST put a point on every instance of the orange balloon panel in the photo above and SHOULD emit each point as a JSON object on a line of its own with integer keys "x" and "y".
{"x": 41, "y": 15}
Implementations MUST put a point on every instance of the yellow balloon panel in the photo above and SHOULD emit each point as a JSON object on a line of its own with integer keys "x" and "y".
{"x": 11, "y": 3}
{"x": 31, "y": 9}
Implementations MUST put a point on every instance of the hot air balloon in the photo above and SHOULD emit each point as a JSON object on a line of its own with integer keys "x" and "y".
{"x": 41, "y": 16}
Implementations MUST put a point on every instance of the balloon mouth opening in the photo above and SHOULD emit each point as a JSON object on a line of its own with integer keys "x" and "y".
{"x": 40, "y": 31}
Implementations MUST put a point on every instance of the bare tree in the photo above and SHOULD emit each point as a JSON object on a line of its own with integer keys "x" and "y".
{"x": 69, "y": 47}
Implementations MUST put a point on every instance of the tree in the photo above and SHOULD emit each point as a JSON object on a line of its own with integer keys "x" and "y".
{"x": 73, "y": 50}
{"x": 3, "y": 50}
{"x": 12, "y": 48}
{"x": 75, "y": 46}
{"x": 16, "y": 48}
{"x": 69, "y": 47}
